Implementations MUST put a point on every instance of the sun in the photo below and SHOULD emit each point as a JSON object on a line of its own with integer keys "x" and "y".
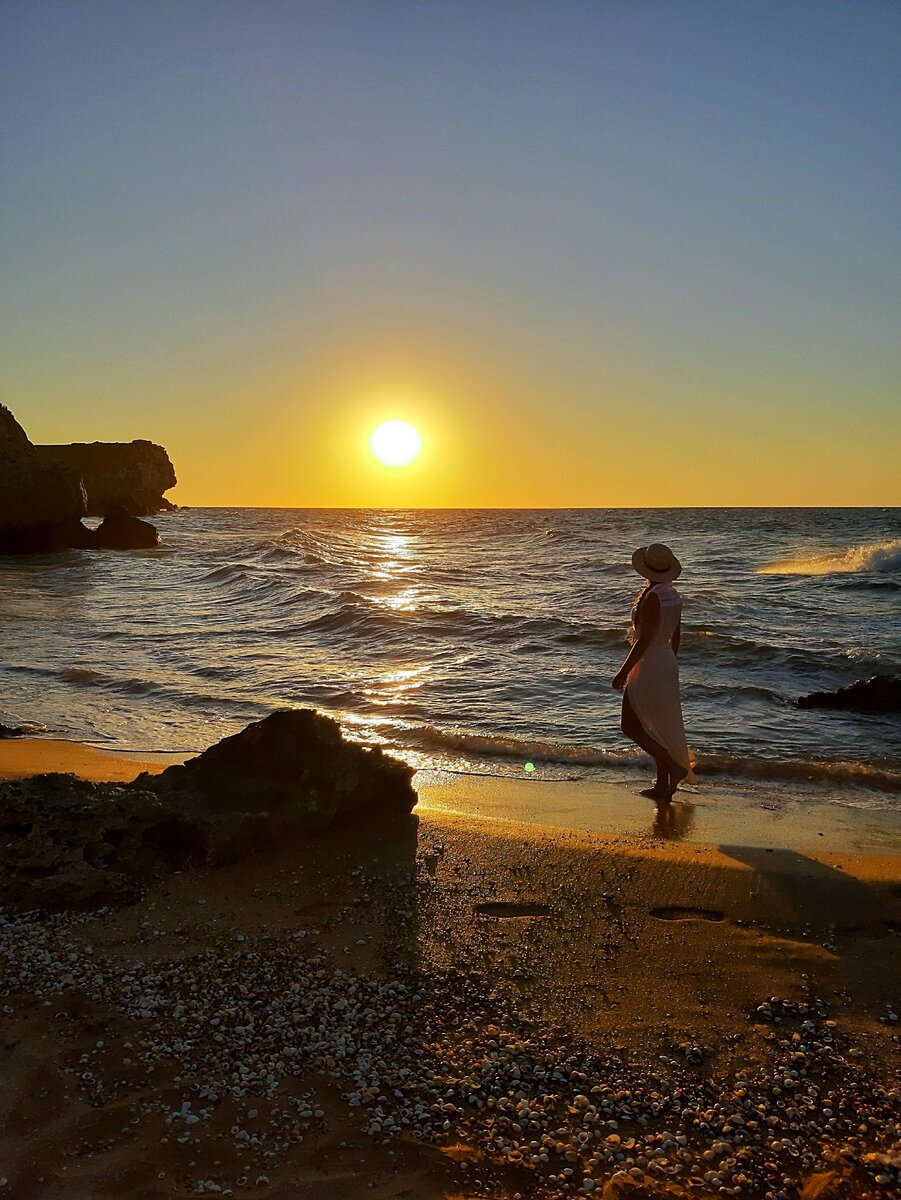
{"x": 395, "y": 443}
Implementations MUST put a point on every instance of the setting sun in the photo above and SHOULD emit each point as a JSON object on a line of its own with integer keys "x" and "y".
{"x": 395, "y": 443}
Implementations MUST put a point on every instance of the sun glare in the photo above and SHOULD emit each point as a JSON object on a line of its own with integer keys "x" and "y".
{"x": 395, "y": 443}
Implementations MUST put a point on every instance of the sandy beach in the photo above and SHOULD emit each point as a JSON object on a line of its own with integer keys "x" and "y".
{"x": 427, "y": 976}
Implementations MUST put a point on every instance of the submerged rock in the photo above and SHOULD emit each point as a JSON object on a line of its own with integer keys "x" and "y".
{"x": 296, "y": 765}
{"x": 67, "y": 843}
{"x": 119, "y": 530}
{"x": 881, "y": 694}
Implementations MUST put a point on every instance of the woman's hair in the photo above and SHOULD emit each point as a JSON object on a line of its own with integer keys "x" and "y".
{"x": 633, "y": 628}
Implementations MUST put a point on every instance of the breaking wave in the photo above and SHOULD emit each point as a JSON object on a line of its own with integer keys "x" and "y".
{"x": 881, "y": 557}
{"x": 508, "y": 747}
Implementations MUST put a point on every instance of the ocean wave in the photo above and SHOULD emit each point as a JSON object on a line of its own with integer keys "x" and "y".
{"x": 359, "y": 615}
{"x": 731, "y": 693}
{"x": 81, "y": 675}
{"x": 226, "y": 573}
{"x": 857, "y": 774}
{"x": 428, "y": 737}
{"x": 135, "y": 686}
{"x": 882, "y": 557}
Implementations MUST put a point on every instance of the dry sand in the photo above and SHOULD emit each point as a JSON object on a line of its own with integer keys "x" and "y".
{"x": 23, "y": 757}
{"x": 643, "y": 952}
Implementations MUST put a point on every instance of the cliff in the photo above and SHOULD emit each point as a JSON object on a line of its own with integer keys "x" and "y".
{"x": 40, "y": 500}
{"x": 132, "y": 475}
{"x": 46, "y": 490}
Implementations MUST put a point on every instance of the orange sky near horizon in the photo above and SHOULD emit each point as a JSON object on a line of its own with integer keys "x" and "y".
{"x": 564, "y": 418}
{"x": 491, "y": 439}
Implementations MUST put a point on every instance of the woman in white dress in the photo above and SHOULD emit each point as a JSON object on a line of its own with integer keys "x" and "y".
{"x": 652, "y": 711}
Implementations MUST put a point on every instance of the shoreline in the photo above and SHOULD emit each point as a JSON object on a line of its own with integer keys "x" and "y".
{"x": 718, "y": 810}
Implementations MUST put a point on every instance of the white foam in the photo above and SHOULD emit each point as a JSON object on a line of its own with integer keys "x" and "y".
{"x": 884, "y": 557}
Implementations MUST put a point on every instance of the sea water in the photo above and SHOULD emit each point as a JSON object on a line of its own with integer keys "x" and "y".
{"x": 473, "y": 640}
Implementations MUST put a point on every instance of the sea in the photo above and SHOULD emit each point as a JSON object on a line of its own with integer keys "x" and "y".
{"x": 478, "y": 641}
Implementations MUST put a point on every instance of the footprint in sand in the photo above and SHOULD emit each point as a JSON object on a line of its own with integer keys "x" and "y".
{"x": 497, "y": 908}
{"x": 687, "y": 914}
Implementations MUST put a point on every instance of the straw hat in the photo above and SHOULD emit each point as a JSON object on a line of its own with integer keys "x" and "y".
{"x": 657, "y": 562}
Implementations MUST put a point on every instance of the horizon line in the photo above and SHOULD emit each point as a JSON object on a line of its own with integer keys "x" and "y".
{"x": 527, "y": 508}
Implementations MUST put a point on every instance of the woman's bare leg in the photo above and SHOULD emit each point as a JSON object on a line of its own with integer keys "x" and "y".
{"x": 666, "y": 765}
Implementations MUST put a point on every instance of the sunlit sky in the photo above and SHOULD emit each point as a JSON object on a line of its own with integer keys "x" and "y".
{"x": 603, "y": 253}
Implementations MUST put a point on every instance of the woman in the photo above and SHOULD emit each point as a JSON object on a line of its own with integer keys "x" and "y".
{"x": 652, "y": 713}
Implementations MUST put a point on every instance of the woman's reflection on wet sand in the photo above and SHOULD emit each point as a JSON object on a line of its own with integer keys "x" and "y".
{"x": 673, "y": 820}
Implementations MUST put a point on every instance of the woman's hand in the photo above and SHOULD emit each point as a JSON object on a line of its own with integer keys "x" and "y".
{"x": 619, "y": 679}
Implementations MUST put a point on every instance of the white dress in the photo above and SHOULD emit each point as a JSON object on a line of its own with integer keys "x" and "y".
{"x": 653, "y": 683}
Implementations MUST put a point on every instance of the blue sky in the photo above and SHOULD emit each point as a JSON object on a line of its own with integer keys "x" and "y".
{"x": 591, "y": 219}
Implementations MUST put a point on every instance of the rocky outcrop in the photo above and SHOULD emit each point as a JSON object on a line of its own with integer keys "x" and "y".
{"x": 880, "y": 694}
{"x": 15, "y": 731}
{"x": 66, "y": 843}
{"x": 46, "y": 490}
{"x": 132, "y": 475}
{"x": 12, "y": 435}
{"x": 295, "y": 767}
{"x": 120, "y": 531}
{"x": 40, "y": 501}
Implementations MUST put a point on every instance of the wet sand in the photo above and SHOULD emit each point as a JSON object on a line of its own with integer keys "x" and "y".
{"x": 473, "y": 951}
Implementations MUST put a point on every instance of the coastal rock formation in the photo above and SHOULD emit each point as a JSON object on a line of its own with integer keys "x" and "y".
{"x": 295, "y": 766}
{"x": 67, "y": 843}
{"x": 121, "y": 531}
{"x": 880, "y": 694}
{"x": 46, "y": 490}
{"x": 132, "y": 475}
{"x": 39, "y": 501}
{"x": 14, "y": 731}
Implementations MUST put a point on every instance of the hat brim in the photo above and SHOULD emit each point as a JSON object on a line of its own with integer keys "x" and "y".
{"x": 646, "y": 572}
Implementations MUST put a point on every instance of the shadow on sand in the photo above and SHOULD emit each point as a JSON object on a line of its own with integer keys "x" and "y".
{"x": 813, "y": 894}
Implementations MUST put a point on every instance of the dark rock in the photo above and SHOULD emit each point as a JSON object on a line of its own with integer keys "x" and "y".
{"x": 632, "y": 1189}
{"x": 131, "y": 474}
{"x": 38, "y": 500}
{"x": 881, "y": 694}
{"x": 78, "y": 537}
{"x": 11, "y": 731}
{"x": 46, "y": 490}
{"x": 12, "y": 435}
{"x": 67, "y": 843}
{"x": 119, "y": 530}
{"x": 295, "y": 766}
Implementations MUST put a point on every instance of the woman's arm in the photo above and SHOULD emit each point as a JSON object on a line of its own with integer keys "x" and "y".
{"x": 648, "y": 620}
{"x": 676, "y": 638}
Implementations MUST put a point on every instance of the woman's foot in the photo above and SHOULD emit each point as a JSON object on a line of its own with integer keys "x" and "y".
{"x": 675, "y": 778}
{"x": 660, "y": 789}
